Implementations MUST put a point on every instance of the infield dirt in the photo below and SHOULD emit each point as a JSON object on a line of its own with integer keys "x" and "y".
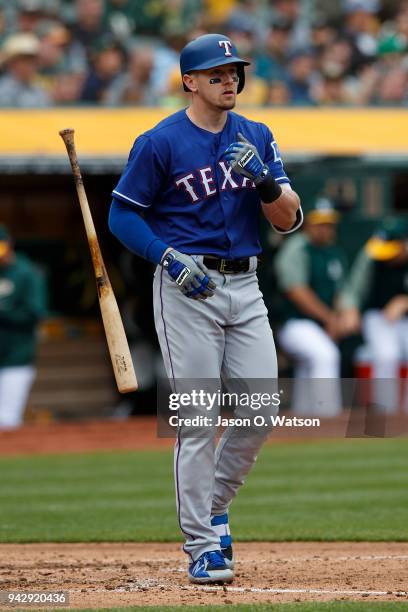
{"x": 107, "y": 575}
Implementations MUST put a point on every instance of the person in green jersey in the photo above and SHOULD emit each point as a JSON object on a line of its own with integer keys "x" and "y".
{"x": 377, "y": 287}
{"x": 22, "y": 306}
{"x": 310, "y": 269}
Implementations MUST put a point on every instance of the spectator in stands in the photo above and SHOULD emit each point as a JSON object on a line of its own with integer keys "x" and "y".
{"x": 22, "y": 306}
{"x": 135, "y": 86}
{"x": 335, "y": 86}
{"x": 29, "y": 15}
{"x": 301, "y": 76}
{"x": 88, "y": 27}
{"x": 377, "y": 286}
{"x": 250, "y": 15}
{"x": 362, "y": 27}
{"x": 290, "y": 11}
{"x": 322, "y": 34}
{"x": 270, "y": 60}
{"x": 243, "y": 36}
{"x": 181, "y": 17}
{"x": 310, "y": 268}
{"x": 19, "y": 85}
{"x": 359, "y": 46}
{"x": 142, "y": 17}
{"x": 332, "y": 91}
{"x": 278, "y": 94}
{"x": 108, "y": 61}
{"x": 121, "y": 16}
{"x": 174, "y": 96}
{"x": 60, "y": 71}
{"x": 389, "y": 82}
{"x": 393, "y": 87}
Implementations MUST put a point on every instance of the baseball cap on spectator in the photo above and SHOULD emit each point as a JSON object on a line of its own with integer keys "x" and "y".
{"x": 365, "y": 6}
{"x": 322, "y": 211}
{"x": 23, "y": 44}
{"x": 4, "y": 240}
{"x": 392, "y": 44}
{"x": 389, "y": 240}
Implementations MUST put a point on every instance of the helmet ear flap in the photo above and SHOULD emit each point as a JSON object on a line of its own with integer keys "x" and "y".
{"x": 241, "y": 75}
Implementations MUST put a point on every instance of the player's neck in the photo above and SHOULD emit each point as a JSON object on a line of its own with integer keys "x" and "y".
{"x": 210, "y": 119}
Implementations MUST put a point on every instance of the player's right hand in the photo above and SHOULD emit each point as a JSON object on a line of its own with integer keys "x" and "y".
{"x": 191, "y": 277}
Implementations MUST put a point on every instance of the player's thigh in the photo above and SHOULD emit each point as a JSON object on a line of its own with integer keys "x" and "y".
{"x": 305, "y": 340}
{"x": 250, "y": 349}
{"x": 191, "y": 339}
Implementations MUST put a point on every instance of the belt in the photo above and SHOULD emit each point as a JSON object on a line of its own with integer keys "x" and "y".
{"x": 227, "y": 266}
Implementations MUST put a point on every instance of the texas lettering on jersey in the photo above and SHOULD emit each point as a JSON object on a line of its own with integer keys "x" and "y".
{"x": 177, "y": 176}
{"x": 201, "y": 184}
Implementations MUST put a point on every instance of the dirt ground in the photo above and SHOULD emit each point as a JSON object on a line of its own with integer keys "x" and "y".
{"x": 103, "y": 575}
{"x": 140, "y": 433}
{"x": 129, "y": 574}
{"x": 83, "y": 436}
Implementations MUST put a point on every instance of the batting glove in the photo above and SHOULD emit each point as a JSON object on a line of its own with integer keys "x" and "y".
{"x": 244, "y": 159}
{"x": 191, "y": 277}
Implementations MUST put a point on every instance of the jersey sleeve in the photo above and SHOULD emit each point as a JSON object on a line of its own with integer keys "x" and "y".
{"x": 143, "y": 175}
{"x": 273, "y": 158}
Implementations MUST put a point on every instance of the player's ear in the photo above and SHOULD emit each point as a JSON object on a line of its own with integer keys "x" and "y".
{"x": 190, "y": 81}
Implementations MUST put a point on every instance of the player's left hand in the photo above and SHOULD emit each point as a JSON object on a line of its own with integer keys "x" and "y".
{"x": 244, "y": 159}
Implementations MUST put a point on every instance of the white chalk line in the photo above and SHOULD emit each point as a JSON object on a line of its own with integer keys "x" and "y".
{"x": 300, "y": 591}
{"x": 230, "y": 589}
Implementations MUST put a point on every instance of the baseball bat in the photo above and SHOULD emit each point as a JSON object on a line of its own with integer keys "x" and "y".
{"x": 115, "y": 334}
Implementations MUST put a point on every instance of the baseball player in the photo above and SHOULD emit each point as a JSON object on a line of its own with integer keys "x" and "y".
{"x": 23, "y": 303}
{"x": 378, "y": 287}
{"x": 310, "y": 269}
{"x": 189, "y": 201}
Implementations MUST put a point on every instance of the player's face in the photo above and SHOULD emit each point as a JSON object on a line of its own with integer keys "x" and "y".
{"x": 322, "y": 234}
{"x": 218, "y": 86}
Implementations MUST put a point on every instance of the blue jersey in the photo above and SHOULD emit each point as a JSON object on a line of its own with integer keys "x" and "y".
{"x": 178, "y": 175}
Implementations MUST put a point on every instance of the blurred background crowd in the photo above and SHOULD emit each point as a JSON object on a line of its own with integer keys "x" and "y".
{"x": 125, "y": 52}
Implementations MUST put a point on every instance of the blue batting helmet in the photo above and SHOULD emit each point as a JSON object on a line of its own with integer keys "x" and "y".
{"x": 209, "y": 51}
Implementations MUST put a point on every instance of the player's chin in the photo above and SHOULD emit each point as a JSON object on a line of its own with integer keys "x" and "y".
{"x": 227, "y": 102}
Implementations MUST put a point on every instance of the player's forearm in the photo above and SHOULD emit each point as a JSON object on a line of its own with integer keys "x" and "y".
{"x": 285, "y": 207}
{"x": 310, "y": 304}
{"x": 132, "y": 231}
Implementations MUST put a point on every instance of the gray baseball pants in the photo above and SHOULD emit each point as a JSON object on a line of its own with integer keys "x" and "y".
{"x": 226, "y": 335}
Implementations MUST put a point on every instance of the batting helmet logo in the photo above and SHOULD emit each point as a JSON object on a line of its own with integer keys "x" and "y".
{"x": 205, "y": 52}
{"x": 227, "y": 46}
